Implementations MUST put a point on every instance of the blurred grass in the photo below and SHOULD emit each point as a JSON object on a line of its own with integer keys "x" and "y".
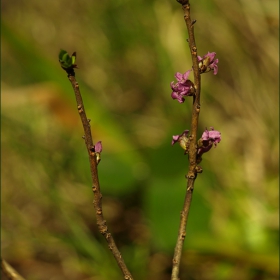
{"x": 127, "y": 56}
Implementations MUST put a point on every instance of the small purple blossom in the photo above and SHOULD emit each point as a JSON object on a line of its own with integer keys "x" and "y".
{"x": 182, "y": 78}
{"x": 98, "y": 150}
{"x": 183, "y": 87}
{"x": 182, "y": 139}
{"x": 98, "y": 147}
{"x": 207, "y": 140}
{"x": 205, "y": 143}
{"x": 208, "y": 63}
{"x": 212, "y": 135}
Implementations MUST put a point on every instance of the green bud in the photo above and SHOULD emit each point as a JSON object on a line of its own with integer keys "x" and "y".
{"x": 73, "y": 57}
{"x": 66, "y": 61}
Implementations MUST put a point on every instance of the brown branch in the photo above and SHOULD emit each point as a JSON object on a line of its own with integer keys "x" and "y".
{"x": 10, "y": 271}
{"x": 191, "y": 176}
{"x": 97, "y": 201}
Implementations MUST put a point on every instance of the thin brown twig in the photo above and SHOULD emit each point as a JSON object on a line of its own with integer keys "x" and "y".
{"x": 10, "y": 271}
{"x": 191, "y": 176}
{"x": 97, "y": 201}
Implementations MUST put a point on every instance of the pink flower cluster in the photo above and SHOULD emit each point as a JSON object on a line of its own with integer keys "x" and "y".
{"x": 205, "y": 143}
{"x": 184, "y": 86}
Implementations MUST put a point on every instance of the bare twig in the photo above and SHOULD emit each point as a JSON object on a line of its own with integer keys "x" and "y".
{"x": 10, "y": 271}
{"x": 191, "y": 176}
{"x": 93, "y": 159}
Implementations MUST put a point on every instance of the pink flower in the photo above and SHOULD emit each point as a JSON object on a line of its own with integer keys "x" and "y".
{"x": 98, "y": 150}
{"x": 183, "y": 87}
{"x": 207, "y": 140}
{"x": 208, "y": 63}
{"x": 182, "y": 139}
{"x": 98, "y": 147}
{"x": 204, "y": 144}
{"x": 182, "y": 78}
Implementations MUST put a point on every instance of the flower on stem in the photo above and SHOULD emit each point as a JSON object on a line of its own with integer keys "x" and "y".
{"x": 98, "y": 150}
{"x": 183, "y": 87}
{"x": 98, "y": 147}
{"x": 182, "y": 139}
{"x": 208, "y": 63}
{"x": 204, "y": 144}
{"x": 207, "y": 140}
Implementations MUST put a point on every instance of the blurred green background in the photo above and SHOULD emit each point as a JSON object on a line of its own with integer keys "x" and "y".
{"x": 127, "y": 54}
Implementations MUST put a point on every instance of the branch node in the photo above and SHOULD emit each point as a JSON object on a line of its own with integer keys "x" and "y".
{"x": 190, "y": 188}
{"x": 190, "y": 175}
{"x": 80, "y": 108}
{"x": 194, "y": 50}
{"x": 103, "y": 228}
{"x": 193, "y": 22}
{"x": 91, "y": 151}
{"x": 183, "y": 235}
{"x": 198, "y": 169}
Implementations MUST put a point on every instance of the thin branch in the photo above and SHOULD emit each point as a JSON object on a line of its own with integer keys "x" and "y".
{"x": 192, "y": 172}
{"x": 93, "y": 159}
{"x": 10, "y": 271}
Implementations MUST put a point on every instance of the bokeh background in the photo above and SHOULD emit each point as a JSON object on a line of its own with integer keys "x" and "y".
{"x": 127, "y": 54}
